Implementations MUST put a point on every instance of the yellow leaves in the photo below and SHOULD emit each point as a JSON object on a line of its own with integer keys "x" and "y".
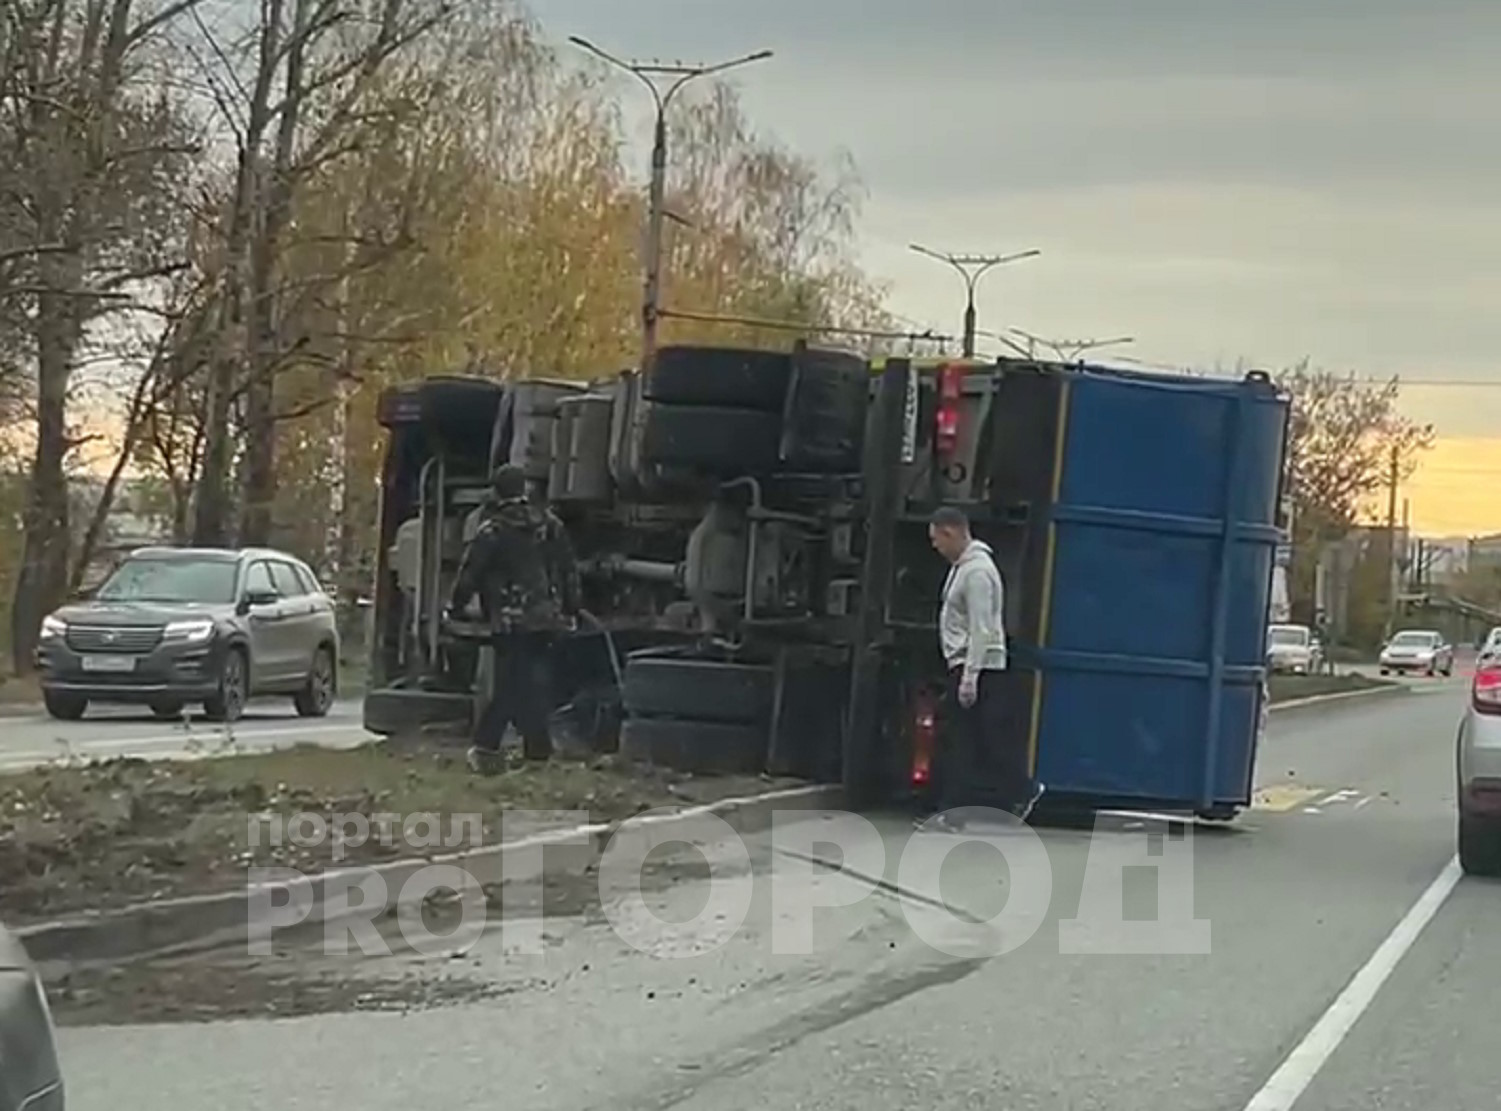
{"x": 504, "y": 176}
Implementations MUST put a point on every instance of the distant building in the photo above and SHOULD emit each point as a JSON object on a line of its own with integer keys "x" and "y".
{"x": 1485, "y": 552}
{"x": 1341, "y": 560}
{"x": 1444, "y": 560}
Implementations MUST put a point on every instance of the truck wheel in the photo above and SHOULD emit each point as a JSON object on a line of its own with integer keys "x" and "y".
{"x": 698, "y": 690}
{"x": 738, "y": 378}
{"x": 824, "y": 422}
{"x": 701, "y": 747}
{"x": 718, "y": 440}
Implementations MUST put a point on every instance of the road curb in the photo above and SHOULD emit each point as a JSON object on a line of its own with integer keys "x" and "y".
{"x": 1336, "y": 696}
{"x": 197, "y": 922}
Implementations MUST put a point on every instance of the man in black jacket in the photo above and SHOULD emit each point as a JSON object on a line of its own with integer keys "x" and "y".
{"x": 520, "y": 565}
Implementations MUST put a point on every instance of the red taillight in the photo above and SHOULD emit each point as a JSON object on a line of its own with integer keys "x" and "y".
{"x": 1486, "y": 691}
{"x": 924, "y": 739}
{"x": 950, "y": 395}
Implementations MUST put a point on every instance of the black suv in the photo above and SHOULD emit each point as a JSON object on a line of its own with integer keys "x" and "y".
{"x": 178, "y": 625}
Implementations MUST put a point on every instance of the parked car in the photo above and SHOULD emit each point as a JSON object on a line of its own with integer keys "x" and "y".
{"x": 30, "y": 1078}
{"x": 173, "y": 626}
{"x": 1480, "y": 774}
{"x": 1490, "y": 647}
{"x": 1417, "y": 650}
{"x": 1293, "y": 649}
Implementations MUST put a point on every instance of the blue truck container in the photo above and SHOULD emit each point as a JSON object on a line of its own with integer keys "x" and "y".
{"x": 1161, "y": 534}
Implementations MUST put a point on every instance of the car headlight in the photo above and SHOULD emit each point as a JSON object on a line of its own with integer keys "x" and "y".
{"x": 53, "y": 627}
{"x": 189, "y": 632}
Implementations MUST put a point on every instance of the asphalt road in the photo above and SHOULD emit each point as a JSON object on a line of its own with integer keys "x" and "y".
{"x": 1354, "y": 823}
{"x": 30, "y": 739}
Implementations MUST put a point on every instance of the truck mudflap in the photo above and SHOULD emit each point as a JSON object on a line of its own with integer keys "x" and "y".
{"x": 395, "y": 711}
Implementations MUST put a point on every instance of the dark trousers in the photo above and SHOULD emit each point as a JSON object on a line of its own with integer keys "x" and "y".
{"x": 521, "y": 695}
{"x": 982, "y": 760}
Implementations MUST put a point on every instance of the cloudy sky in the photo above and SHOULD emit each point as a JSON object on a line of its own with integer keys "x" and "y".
{"x": 1223, "y": 179}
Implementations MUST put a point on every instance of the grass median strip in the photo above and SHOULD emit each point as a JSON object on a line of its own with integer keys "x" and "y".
{"x": 1290, "y": 688}
{"x": 104, "y": 834}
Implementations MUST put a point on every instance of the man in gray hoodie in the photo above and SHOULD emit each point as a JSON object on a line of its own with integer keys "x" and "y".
{"x": 972, "y": 634}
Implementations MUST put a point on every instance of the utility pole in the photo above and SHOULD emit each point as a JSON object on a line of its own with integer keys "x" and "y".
{"x": 971, "y": 268}
{"x": 1393, "y": 478}
{"x": 681, "y": 73}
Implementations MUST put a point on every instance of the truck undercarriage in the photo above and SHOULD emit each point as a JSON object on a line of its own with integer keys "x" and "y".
{"x": 752, "y": 541}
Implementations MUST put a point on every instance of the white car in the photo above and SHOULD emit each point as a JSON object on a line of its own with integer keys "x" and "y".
{"x": 29, "y": 1076}
{"x": 1417, "y": 650}
{"x": 1294, "y": 649}
{"x": 1480, "y": 774}
{"x": 1490, "y": 647}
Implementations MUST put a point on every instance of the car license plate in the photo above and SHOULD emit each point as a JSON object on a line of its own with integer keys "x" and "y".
{"x": 109, "y": 663}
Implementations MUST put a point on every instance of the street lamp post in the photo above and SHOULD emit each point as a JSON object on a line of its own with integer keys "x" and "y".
{"x": 681, "y": 74}
{"x": 971, "y": 268}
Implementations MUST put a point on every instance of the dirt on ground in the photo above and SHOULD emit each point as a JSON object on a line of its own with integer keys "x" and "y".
{"x": 204, "y": 990}
{"x": 301, "y": 978}
{"x": 104, "y": 834}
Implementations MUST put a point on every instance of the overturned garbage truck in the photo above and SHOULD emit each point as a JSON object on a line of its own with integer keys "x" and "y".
{"x": 751, "y": 529}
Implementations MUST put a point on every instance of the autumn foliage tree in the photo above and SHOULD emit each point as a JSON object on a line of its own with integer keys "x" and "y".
{"x": 313, "y": 199}
{"x": 91, "y": 127}
{"x": 1344, "y": 437}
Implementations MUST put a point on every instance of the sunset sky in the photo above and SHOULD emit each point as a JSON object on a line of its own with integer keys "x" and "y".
{"x": 1222, "y": 180}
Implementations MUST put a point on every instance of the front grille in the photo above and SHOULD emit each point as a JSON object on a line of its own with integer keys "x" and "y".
{"x": 125, "y": 639}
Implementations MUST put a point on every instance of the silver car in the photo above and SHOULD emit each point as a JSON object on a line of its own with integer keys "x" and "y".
{"x": 1480, "y": 774}
{"x": 1417, "y": 650}
{"x": 30, "y": 1079}
{"x": 174, "y": 626}
{"x": 1293, "y": 649}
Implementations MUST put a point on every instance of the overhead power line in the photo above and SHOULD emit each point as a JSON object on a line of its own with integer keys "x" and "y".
{"x": 796, "y": 326}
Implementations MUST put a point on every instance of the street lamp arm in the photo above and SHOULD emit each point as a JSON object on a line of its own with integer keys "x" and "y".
{"x": 620, "y": 64}
{"x": 695, "y": 72}
{"x": 946, "y": 259}
{"x": 743, "y": 60}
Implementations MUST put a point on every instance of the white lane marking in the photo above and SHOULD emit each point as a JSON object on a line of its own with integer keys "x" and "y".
{"x": 1310, "y": 1055}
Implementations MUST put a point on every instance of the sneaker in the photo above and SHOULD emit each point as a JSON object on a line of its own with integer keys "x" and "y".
{"x": 1025, "y": 810}
{"x": 483, "y": 761}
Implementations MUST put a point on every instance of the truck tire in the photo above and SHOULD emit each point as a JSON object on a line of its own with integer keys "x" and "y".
{"x": 824, "y": 422}
{"x": 698, "y": 690}
{"x": 700, "y": 747}
{"x": 709, "y": 438}
{"x": 738, "y": 378}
